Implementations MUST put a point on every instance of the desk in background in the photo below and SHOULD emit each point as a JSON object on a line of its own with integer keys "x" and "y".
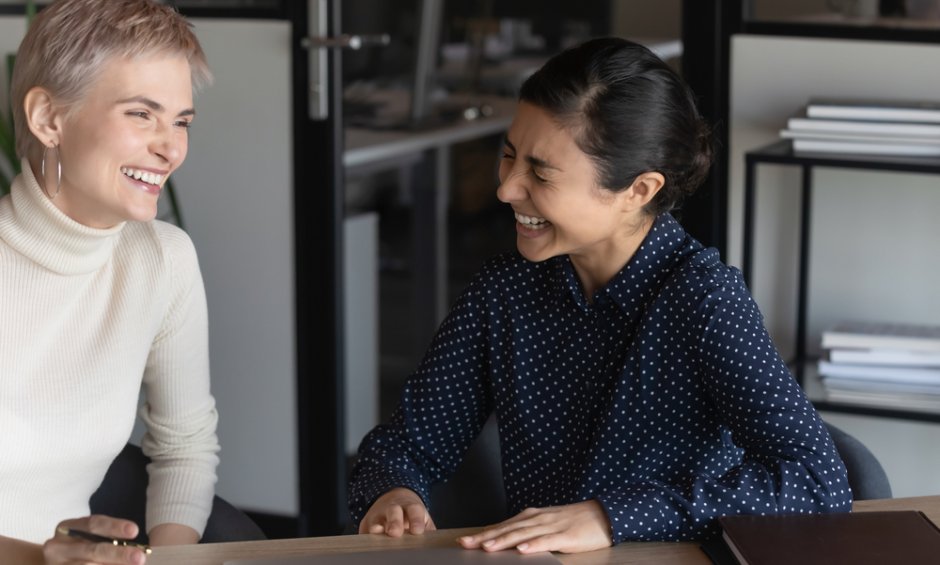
{"x": 372, "y": 150}
{"x": 637, "y": 553}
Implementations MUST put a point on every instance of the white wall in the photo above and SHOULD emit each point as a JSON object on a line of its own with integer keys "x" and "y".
{"x": 874, "y": 234}
{"x": 235, "y": 190}
{"x": 361, "y": 327}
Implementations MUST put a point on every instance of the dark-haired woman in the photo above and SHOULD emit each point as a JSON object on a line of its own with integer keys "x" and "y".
{"x": 637, "y": 392}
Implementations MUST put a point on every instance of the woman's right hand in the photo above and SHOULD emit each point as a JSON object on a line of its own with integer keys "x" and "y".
{"x": 395, "y": 512}
{"x": 62, "y": 548}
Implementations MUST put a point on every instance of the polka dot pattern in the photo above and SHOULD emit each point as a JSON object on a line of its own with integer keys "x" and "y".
{"x": 663, "y": 398}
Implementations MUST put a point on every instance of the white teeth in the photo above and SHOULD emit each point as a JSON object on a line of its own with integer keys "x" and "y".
{"x": 531, "y": 222}
{"x": 146, "y": 176}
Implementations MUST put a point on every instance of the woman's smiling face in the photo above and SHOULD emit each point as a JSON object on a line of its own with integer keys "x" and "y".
{"x": 128, "y": 134}
{"x": 552, "y": 187}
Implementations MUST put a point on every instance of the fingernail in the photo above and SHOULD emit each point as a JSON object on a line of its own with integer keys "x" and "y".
{"x": 488, "y": 543}
{"x": 522, "y": 546}
{"x": 465, "y": 539}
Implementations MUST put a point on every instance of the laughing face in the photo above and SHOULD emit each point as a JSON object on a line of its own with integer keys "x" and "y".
{"x": 552, "y": 187}
{"x": 129, "y": 133}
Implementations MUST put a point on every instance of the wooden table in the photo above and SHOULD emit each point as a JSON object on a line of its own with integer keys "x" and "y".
{"x": 625, "y": 553}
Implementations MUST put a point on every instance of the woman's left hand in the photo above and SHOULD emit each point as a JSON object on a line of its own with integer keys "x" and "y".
{"x": 569, "y": 529}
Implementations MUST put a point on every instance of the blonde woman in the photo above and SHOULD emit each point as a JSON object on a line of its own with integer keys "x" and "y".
{"x": 98, "y": 299}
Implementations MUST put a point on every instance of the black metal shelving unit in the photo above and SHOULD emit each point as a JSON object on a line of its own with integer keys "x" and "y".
{"x": 782, "y": 153}
{"x": 875, "y": 30}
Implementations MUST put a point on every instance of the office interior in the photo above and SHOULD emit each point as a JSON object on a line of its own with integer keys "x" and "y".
{"x": 251, "y": 166}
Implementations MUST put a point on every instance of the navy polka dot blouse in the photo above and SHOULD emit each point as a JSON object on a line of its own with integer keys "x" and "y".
{"x": 664, "y": 398}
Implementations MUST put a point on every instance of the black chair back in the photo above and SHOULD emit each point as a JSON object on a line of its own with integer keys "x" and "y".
{"x": 123, "y": 494}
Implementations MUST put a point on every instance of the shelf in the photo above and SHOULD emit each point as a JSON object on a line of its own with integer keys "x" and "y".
{"x": 781, "y": 153}
{"x": 877, "y": 29}
{"x": 814, "y": 390}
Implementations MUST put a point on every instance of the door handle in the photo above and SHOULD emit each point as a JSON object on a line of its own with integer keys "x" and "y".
{"x": 318, "y": 44}
{"x": 347, "y": 41}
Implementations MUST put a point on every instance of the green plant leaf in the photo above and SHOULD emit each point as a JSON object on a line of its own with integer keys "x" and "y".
{"x": 7, "y": 144}
{"x": 5, "y": 183}
{"x": 11, "y": 58}
{"x": 174, "y": 205}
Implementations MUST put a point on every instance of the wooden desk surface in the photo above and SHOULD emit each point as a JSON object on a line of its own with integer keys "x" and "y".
{"x": 625, "y": 553}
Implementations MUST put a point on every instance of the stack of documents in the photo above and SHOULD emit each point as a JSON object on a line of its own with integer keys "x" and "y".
{"x": 868, "y": 127}
{"x": 885, "y": 365}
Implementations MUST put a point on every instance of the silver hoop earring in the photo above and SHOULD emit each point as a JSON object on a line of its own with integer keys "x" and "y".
{"x": 58, "y": 180}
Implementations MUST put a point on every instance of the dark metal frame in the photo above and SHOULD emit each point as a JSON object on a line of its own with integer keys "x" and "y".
{"x": 781, "y": 153}
{"x": 831, "y": 31}
{"x": 707, "y": 28}
{"x": 318, "y": 224}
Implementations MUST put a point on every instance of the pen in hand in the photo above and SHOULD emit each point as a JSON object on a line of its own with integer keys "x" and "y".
{"x": 88, "y": 536}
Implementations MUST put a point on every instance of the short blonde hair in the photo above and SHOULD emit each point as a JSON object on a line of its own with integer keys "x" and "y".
{"x": 70, "y": 41}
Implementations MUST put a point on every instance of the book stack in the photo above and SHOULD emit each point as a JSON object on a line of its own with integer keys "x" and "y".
{"x": 885, "y": 365}
{"x": 868, "y": 127}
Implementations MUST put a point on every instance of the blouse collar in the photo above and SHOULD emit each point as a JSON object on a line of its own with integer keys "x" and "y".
{"x": 641, "y": 277}
{"x": 32, "y": 225}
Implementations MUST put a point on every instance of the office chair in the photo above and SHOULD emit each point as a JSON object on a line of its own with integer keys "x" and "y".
{"x": 474, "y": 496}
{"x": 867, "y": 477}
{"x": 122, "y": 494}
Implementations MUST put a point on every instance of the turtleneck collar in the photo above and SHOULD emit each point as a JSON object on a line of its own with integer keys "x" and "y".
{"x": 33, "y": 226}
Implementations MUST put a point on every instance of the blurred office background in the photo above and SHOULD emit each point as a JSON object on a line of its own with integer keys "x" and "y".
{"x": 239, "y": 192}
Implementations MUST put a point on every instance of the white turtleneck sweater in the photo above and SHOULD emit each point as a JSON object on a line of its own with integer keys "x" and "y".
{"x": 87, "y": 317}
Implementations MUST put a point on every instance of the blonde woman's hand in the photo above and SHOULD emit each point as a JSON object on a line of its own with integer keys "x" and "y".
{"x": 572, "y": 528}
{"x": 62, "y": 549}
{"x": 398, "y": 511}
